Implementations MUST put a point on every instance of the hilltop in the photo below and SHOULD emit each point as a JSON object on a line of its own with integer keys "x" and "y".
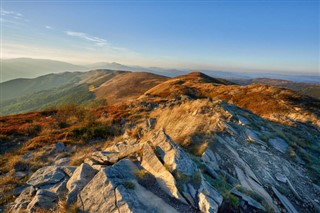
{"x": 192, "y": 143}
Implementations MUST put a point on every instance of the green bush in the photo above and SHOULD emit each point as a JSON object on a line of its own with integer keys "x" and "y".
{"x": 234, "y": 200}
{"x": 129, "y": 185}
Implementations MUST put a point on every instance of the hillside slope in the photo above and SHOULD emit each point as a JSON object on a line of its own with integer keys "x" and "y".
{"x": 128, "y": 86}
{"x": 277, "y": 104}
{"x": 309, "y": 89}
{"x": 52, "y": 90}
{"x": 176, "y": 151}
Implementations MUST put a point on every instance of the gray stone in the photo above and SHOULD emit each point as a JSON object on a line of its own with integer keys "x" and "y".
{"x": 60, "y": 189}
{"x": 44, "y": 199}
{"x": 248, "y": 183}
{"x": 287, "y": 204}
{"x": 62, "y": 162}
{"x": 18, "y": 190}
{"x": 20, "y": 174}
{"x": 280, "y": 177}
{"x": 105, "y": 157}
{"x": 279, "y": 144}
{"x": 209, "y": 157}
{"x": 116, "y": 152}
{"x": 243, "y": 121}
{"x": 81, "y": 176}
{"x": 252, "y": 136}
{"x": 172, "y": 155}
{"x": 60, "y": 147}
{"x": 68, "y": 170}
{"x": 114, "y": 189}
{"x": 21, "y": 202}
{"x": 248, "y": 200}
{"x": 164, "y": 178}
{"x": 46, "y": 176}
{"x": 208, "y": 191}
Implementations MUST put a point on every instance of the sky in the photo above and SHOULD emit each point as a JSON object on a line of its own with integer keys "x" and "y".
{"x": 264, "y": 36}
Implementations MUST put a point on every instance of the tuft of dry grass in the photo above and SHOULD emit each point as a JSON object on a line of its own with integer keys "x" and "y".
{"x": 63, "y": 208}
{"x": 80, "y": 154}
{"x": 12, "y": 161}
{"x": 200, "y": 149}
{"x": 141, "y": 173}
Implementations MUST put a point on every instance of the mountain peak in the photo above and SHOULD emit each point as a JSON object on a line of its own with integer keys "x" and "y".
{"x": 202, "y": 78}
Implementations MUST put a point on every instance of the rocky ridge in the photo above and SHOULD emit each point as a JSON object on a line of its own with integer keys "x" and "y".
{"x": 153, "y": 173}
{"x": 184, "y": 151}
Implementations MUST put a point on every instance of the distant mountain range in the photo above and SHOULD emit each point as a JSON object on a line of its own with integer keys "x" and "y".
{"x": 31, "y": 68}
{"x": 53, "y": 90}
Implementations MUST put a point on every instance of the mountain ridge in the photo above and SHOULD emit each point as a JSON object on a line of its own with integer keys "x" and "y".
{"x": 29, "y": 65}
{"x": 185, "y": 149}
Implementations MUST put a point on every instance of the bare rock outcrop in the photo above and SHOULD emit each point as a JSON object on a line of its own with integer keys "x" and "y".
{"x": 114, "y": 189}
{"x": 46, "y": 176}
{"x": 164, "y": 178}
{"x": 81, "y": 176}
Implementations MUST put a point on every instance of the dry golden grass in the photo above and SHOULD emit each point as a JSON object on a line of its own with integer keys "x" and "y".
{"x": 261, "y": 99}
{"x": 186, "y": 120}
{"x": 12, "y": 161}
{"x": 127, "y": 86}
{"x": 80, "y": 154}
{"x": 63, "y": 208}
{"x": 5, "y": 180}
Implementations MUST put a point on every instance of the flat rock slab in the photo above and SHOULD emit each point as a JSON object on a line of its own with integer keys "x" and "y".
{"x": 279, "y": 144}
{"x": 81, "y": 176}
{"x": 280, "y": 177}
{"x": 22, "y": 202}
{"x": 114, "y": 189}
{"x": 43, "y": 200}
{"x": 46, "y": 176}
{"x": 248, "y": 200}
{"x": 164, "y": 178}
{"x": 172, "y": 155}
{"x": 284, "y": 200}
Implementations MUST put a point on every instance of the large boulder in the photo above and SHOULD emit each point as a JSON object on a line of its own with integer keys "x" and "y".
{"x": 81, "y": 176}
{"x": 164, "y": 178}
{"x": 48, "y": 175}
{"x": 114, "y": 189}
{"x": 172, "y": 155}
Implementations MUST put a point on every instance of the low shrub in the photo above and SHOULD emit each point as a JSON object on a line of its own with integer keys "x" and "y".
{"x": 129, "y": 185}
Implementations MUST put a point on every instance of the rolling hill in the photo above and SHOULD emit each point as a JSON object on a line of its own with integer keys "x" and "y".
{"x": 192, "y": 143}
{"x": 50, "y": 91}
{"x": 127, "y": 86}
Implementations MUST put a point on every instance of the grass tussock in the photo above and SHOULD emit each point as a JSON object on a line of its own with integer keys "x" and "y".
{"x": 63, "y": 208}
{"x": 11, "y": 161}
{"x": 80, "y": 153}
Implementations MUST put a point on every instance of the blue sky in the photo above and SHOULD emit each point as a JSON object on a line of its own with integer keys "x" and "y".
{"x": 281, "y": 36}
